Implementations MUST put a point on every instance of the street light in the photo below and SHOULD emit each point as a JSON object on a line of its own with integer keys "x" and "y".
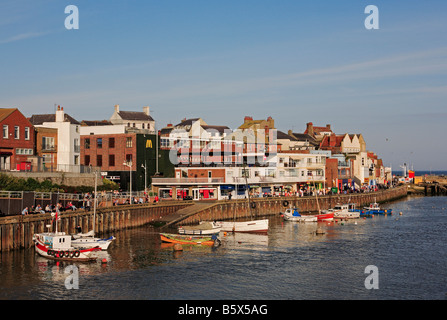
{"x": 130, "y": 174}
{"x": 145, "y": 175}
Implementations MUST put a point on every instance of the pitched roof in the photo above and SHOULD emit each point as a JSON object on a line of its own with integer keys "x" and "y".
{"x": 186, "y": 122}
{"x": 305, "y": 137}
{"x": 37, "y": 119}
{"x": 135, "y": 115}
{"x": 284, "y": 136}
{"x": 331, "y": 141}
{"x": 90, "y": 123}
{"x": 220, "y": 129}
{"x": 6, "y": 112}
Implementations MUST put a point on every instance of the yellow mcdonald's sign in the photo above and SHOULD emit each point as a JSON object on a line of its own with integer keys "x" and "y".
{"x": 149, "y": 143}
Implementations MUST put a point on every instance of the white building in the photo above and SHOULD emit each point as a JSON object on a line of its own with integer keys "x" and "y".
{"x": 68, "y": 137}
{"x": 134, "y": 119}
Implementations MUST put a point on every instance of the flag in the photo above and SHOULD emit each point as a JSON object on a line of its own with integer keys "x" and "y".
{"x": 411, "y": 174}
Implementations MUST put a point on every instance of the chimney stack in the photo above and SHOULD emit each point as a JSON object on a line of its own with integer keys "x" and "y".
{"x": 117, "y": 108}
{"x": 146, "y": 110}
{"x": 310, "y": 128}
{"x": 59, "y": 114}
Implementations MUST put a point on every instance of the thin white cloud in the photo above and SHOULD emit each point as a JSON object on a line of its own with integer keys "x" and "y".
{"x": 23, "y": 36}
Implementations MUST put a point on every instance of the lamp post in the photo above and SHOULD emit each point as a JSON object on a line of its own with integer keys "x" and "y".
{"x": 130, "y": 174}
{"x": 145, "y": 175}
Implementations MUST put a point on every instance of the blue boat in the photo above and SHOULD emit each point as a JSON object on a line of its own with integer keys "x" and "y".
{"x": 374, "y": 208}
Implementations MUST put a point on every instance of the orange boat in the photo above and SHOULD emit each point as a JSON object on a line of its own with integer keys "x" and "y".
{"x": 189, "y": 239}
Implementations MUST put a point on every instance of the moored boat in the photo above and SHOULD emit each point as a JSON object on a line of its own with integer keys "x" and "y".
{"x": 292, "y": 214}
{"x": 189, "y": 239}
{"x": 343, "y": 211}
{"x": 374, "y": 208}
{"x": 57, "y": 246}
{"x": 91, "y": 242}
{"x": 253, "y": 226}
{"x": 204, "y": 228}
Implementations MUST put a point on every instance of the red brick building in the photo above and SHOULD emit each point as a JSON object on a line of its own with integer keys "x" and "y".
{"x": 16, "y": 140}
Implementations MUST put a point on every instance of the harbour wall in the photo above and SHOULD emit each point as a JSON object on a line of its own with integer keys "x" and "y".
{"x": 17, "y": 232}
{"x": 262, "y": 207}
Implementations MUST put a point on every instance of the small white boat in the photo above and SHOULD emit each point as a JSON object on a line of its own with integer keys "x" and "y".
{"x": 204, "y": 228}
{"x": 254, "y": 226}
{"x": 83, "y": 235}
{"x": 292, "y": 214}
{"x": 58, "y": 246}
{"x": 91, "y": 242}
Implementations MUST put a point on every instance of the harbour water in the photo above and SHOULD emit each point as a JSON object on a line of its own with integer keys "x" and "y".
{"x": 290, "y": 263}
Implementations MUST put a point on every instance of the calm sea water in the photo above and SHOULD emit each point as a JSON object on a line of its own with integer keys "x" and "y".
{"x": 290, "y": 263}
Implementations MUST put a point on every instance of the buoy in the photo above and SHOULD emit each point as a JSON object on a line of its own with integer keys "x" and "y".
{"x": 104, "y": 260}
{"x": 178, "y": 247}
{"x": 400, "y": 213}
{"x": 319, "y": 231}
{"x": 225, "y": 233}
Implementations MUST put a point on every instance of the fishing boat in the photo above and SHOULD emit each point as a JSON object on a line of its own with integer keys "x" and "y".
{"x": 253, "y": 226}
{"x": 343, "y": 211}
{"x": 57, "y": 246}
{"x": 189, "y": 239}
{"x": 292, "y": 214}
{"x": 374, "y": 208}
{"x": 204, "y": 228}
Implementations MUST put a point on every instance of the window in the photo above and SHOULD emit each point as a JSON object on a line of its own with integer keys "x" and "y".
{"x": 87, "y": 143}
{"x": 111, "y": 160}
{"x": 77, "y": 147}
{"x": 24, "y": 151}
{"x": 142, "y": 126}
{"x": 112, "y": 143}
{"x": 128, "y": 159}
{"x": 5, "y": 131}
{"x": 76, "y": 160}
{"x": 129, "y": 142}
{"x": 87, "y": 160}
{"x": 16, "y": 132}
{"x": 48, "y": 143}
{"x": 27, "y": 133}
{"x": 99, "y": 160}
{"x": 99, "y": 143}
{"x": 47, "y": 158}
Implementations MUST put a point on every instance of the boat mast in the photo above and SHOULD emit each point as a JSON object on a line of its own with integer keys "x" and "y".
{"x": 94, "y": 204}
{"x": 248, "y": 191}
{"x": 316, "y": 194}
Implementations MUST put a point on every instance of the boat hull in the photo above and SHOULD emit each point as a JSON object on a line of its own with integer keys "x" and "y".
{"x": 293, "y": 215}
{"x": 71, "y": 254}
{"x": 253, "y": 226}
{"x": 187, "y": 240}
{"x": 325, "y": 217}
{"x": 91, "y": 242}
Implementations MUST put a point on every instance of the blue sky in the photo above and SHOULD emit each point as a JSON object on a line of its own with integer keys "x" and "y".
{"x": 297, "y": 61}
